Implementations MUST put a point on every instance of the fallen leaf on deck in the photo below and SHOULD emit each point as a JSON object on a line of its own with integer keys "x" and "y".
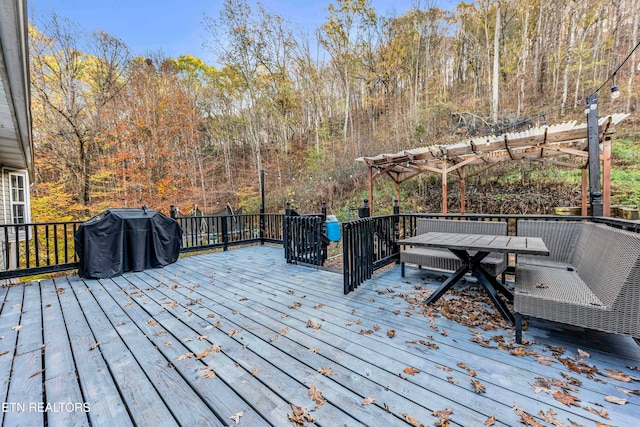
{"x": 544, "y": 360}
{"x": 185, "y": 356}
{"x": 94, "y": 346}
{"x": 17, "y": 327}
{"x": 490, "y": 421}
{"x": 295, "y": 304}
{"x": 202, "y": 337}
{"x": 614, "y": 399}
{"x": 391, "y": 333}
{"x": 368, "y": 400}
{"x": 520, "y": 351}
{"x": 272, "y": 339}
{"x": 314, "y": 350}
{"x": 618, "y": 375}
{"x": 444, "y": 368}
{"x": 284, "y": 316}
{"x": 300, "y": 416}
{"x": 566, "y": 398}
{"x": 60, "y": 291}
{"x": 365, "y": 332}
{"x": 254, "y": 372}
{"x": 210, "y": 315}
{"x": 233, "y": 332}
{"x": 2, "y": 353}
{"x": 206, "y": 352}
{"x": 319, "y": 306}
{"x": 317, "y": 397}
{"x": 284, "y": 331}
{"x": 38, "y": 372}
{"x": 210, "y": 374}
{"x": 236, "y": 417}
{"x": 478, "y": 387}
{"x": 325, "y": 371}
{"x": 602, "y": 413}
{"x": 168, "y": 344}
{"x": 628, "y": 392}
{"x": 452, "y": 380}
{"x": 526, "y": 418}
{"x": 584, "y": 354}
{"x": 186, "y": 339}
{"x": 443, "y": 417}
{"x": 411, "y": 420}
{"x": 215, "y": 348}
{"x": 411, "y": 371}
{"x": 291, "y": 292}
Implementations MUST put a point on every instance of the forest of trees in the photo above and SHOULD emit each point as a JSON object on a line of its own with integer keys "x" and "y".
{"x": 116, "y": 130}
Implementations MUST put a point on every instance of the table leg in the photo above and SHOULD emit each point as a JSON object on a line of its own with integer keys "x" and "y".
{"x": 490, "y": 285}
{"x": 447, "y": 284}
{"x": 475, "y": 263}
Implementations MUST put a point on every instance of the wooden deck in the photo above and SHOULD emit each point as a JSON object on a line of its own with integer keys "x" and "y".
{"x": 238, "y": 337}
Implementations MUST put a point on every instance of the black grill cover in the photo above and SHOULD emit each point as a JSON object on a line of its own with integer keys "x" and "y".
{"x": 120, "y": 240}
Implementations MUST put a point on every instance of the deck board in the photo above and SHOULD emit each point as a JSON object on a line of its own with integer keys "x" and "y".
{"x": 261, "y": 312}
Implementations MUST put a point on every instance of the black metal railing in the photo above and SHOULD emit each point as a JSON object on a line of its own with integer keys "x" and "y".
{"x": 303, "y": 239}
{"x": 41, "y": 248}
{"x": 30, "y": 249}
{"x": 370, "y": 243}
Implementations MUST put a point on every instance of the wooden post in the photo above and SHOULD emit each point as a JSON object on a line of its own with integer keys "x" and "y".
{"x": 370, "y": 191}
{"x": 462, "y": 188}
{"x": 444, "y": 184}
{"x": 606, "y": 175}
{"x": 585, "y": 183}
{"x": 397, "y": 201}
{"x": 595, "y": 192}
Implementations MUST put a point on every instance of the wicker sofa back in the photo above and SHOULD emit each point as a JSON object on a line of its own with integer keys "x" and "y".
{"x": 442, "y": 259}
{"x": 592, "y": 279}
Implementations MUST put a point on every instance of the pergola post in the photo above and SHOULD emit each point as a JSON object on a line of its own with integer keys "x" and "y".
{"x": 583, "y": 196}
{"x": 398, "y": 193}
{"x": 370, "y": 191}
{"x": 594, "y": 156}
{"x": 444, "y": 184}
{"x": 462, "y": 200}
{"x": 606, "y": 175}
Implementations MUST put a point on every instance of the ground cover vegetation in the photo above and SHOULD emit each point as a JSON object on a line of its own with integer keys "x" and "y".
{"x": 112, "y": 129}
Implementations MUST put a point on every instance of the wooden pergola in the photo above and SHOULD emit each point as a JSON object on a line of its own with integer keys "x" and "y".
{"x": 473, "y": 156}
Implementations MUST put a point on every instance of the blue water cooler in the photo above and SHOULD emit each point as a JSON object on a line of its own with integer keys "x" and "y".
{"x": 333, "y": 228}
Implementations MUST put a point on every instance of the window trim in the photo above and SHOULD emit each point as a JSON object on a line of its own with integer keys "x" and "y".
{"x": 9, "y": 202}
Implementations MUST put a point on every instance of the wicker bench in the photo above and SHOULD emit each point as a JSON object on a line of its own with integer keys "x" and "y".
{"x": 591, "y": 278}
{"x": 442, "y": 259}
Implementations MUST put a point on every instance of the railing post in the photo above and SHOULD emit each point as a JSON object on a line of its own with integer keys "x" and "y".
{"x": 285, "y": 231}
{"x": 225, "y": 232}
{"x": 173, "y": 212}
{"x": 364, "y": 211}
{"x": 262, "y": 206}
{"x": 396, "y": 229}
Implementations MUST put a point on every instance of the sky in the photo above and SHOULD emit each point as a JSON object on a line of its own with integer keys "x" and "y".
{"x": 175, "y": 27}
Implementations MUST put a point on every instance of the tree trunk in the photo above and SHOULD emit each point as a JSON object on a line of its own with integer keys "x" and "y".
{"x": 496, "y": 66}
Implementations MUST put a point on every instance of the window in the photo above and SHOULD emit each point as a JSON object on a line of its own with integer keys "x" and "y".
{"x": 18, "y": 190}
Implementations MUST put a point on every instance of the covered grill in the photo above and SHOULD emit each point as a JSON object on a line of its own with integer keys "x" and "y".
{"x": 120, "y": 240}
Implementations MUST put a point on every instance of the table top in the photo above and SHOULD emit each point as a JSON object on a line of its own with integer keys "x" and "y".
{"x": 480, "y": 242}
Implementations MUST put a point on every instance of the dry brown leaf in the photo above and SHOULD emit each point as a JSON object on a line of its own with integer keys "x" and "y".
{"x": 152, "y": 322}
{"x": 368, "y": 400}
{"x": 411, "y": 420}
{"x": 233, "y": 332}
{"x": 319, "y": 306}
{"x": 444, "y": 368}
{"x": 628, "y": 392}
{"x": 584, "y": 354}
{"x": 300, "y": 416}
{"x": 602, "y": 413}
{"x": 325, "y": 371}
{"x": 365, "y": 332}
{"x": 618, "y": 375}
{"x": 60, "y": 291}
{"x": 391, "y": 333}
{"x": 566, "y": 398}
{"x": 236, "y": 417}
{"x": 526, "y": 418}
{"x": 520, "y": 351}
{"x": 215, "y": 348}
{"x": 616, "y": 400}
{"x": 284, "y": 331}
{"x": 38, "y": 372}
{"x": 376, "y": 328}
{"x": 284, "y": 316}
{"x": 206, "y": 352}
{"x": 544, "y": 360}
{"x": 2, "y": 353}
{"x": 94, "y": 346}
{"x": 309, "y": 323}
{"x": 273, "y": 338}
{"x": 443, "y": 417}
{"x": 202, "y": 337}
{"x": 411, "y": 371}
{"x": 17, "y": 327}
{"x": 452, "y": 380}
{"x": 159, "y": 333}
{"x": 490, "y": 421}
{"x": 185, "y": 356}
{"x": 478, "y": 387}
{"x": 603, "y": 425}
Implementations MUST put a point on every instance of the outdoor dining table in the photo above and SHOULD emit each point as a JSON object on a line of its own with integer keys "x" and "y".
{"x": 461, "y": 245}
